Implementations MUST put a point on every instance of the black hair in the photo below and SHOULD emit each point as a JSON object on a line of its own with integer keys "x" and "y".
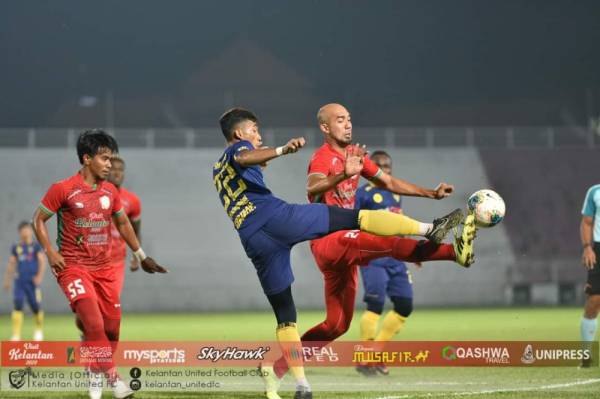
{"x": 380, "y": 153}
{"x": 92, "y": 141}
{"x": 230, "y": 119}
{"x": 23, "y": 224}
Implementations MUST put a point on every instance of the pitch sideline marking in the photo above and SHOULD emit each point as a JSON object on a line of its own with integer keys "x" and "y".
{"x": 490, "y": 391}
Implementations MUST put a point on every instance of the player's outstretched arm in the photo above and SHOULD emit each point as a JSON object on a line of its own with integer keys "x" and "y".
{"x": 260, "y": 156}
{"x": 55, "y": 259}
{"x": 134, "y": 265}
{"x": 122, "y": 224}
{"x": 403, "y": 187}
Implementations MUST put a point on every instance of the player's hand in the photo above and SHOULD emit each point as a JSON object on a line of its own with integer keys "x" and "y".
{"x": 134, "y": 265}
{"x": 294, "y": 145}
{"x": 37, "y": 280}
{"x": 354, "y": 159}
{"x": 418, "y": 264}
{"x": 443, "y": 190}
{"x": 56, "y": 261}
{"x": 150, "y": 266}
{"x": 589, "y": 258}
{"x": 6, "y": 285}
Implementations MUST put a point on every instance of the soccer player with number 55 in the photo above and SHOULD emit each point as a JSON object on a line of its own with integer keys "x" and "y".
{"x": 86, "y": 204}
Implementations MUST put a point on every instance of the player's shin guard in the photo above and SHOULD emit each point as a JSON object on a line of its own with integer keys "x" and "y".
{"x": 17, "y": 324}
{"x": 392, "y": 324}
{"x": 383, "y": 223}
{"x": 588, "y": 331}
{"x": 287, "y": 335}
{"x": 368, "y": 325}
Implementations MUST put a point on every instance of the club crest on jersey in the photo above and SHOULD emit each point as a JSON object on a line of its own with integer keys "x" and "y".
{"x": 105, "y": 202}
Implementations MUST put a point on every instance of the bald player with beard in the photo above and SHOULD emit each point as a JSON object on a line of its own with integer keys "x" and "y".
{"x": 338, "y": 254}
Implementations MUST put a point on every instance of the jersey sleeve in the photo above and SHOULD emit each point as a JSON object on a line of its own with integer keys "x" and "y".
{"x": 117, "y": 205}
{"x": 370, "y": 169}
{"x": 135, "y": 213}
{"x": 589, "y": 206}
{"x": 237, "y": 148}
{"x": 53, "y": 200}
{"x": 319, "y": 165}
{"x": 13, "y": 250}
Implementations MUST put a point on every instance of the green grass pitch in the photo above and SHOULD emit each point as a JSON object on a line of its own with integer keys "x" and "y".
{"x": 424, "y": 324}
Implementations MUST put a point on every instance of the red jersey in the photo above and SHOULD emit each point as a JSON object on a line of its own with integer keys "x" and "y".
{"x": 84, "y": 216}
{"x": 327, "y": 162}
{"x": 133, "y": 209}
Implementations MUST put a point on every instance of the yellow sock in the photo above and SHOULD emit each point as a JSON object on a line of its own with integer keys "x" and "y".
{"x": 17, "y": 323}
{"x": 39, "y": 320}
{"x": 392, "y": 323}
{"x": 288, "y": 332}
{"x": 383, "y": 223}
{"x": 368, "y": 325}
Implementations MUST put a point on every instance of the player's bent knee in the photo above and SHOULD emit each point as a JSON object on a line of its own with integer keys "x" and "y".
{"x": 112, "y": 328}
{"x": 283, "y": 306}
{"x": 337, "y": 330}
{"x": 375, "y": 307}
{"x": 593, "y": 304}
{"x": 402, "y": 305}
{"x": 342, "y": 219}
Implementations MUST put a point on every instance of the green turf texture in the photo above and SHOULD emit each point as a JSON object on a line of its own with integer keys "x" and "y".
{"x": 425, "y": 324}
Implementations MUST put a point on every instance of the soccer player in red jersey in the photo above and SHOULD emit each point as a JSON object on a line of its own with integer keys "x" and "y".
{"x": 86, "y": 204}
{"x": 338, "y": 253}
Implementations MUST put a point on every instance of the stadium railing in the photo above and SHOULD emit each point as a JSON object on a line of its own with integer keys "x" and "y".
{"x": 480, "y": 137}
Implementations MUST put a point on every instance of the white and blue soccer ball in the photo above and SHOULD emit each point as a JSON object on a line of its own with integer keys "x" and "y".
{"x": 488, "y": 207}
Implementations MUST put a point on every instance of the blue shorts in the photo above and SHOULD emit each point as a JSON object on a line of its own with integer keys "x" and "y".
{"x": 25, "y": 289}
{"x": 269, "y": 248}
{"x": 386, "y": 276}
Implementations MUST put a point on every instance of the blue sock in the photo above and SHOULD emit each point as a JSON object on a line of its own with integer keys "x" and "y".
{"x": 588, "y": 329}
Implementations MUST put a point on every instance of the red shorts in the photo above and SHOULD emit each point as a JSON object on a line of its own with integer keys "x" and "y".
{"x": 337, "y": 250}
{"x": 100, "y": 285}
{"x": 337, "y": 256}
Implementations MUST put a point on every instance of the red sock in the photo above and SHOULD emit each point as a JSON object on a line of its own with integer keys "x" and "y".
{"x": 88, "y": 312}
{"x": 422, "y": 251}
{"x": 371, "y": 247}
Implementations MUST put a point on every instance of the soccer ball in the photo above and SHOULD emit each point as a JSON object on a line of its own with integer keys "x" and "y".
{"x": 487, "y": 206}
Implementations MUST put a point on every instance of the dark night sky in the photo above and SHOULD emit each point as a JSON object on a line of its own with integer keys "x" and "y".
{"x": 422, "y": 53}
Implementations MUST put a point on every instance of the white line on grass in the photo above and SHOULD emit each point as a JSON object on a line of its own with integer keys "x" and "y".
{"x": 490, "y": 391}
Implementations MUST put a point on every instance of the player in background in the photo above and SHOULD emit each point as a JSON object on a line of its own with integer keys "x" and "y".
{"x": 384, "y": 277}
{"x": 133, "y": 209}
{"x": 337, "y": 255}
{"x": 590, "y": 240}
{"x": 26, "y": 265}
{"x": 269, "y": 227}
{"x": 86, "y": 205}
